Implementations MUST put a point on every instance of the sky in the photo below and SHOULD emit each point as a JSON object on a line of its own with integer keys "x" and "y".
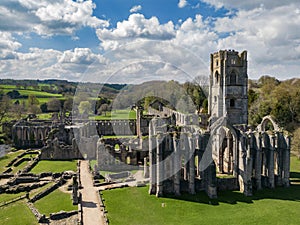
{"x": 132, "y": 41}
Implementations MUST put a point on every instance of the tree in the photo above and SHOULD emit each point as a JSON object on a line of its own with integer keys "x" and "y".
{"x": 103, "y": 108}
{"x": 296, "y": 141}
{"x": 54, "y": 105}
{"x": 84, "y": 107}
{"x": 5, "y": 105}
{"x": 33, "y": 104}
{"x": 68, "y": 104}
{"x": 32, "y": 100}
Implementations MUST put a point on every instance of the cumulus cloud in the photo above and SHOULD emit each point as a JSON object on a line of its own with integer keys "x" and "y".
{"x": 136, "y": 27}
{"x": 248, "y": 5}
{"x": 8, "y": 45}
{"x": 48, "y": 18}
{"x": 182, "y": 3}
{"x": 80, "y": 56}
{"x": 136, "y": 8}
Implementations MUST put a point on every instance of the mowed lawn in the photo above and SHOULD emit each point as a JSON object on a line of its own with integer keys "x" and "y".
{"x": 17, "y": 213}
{"x": 134, "y": 206}
{"x": 54, "y": 166}
{"x": 54, "y": 202}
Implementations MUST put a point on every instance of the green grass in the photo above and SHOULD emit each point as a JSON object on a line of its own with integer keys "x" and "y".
{"x": 40, "y": 189}
{"x": 133, "y": 206}
{"x": 44, "y": 116}
{"x": 20, "y": 167}
{"x": 116, "y": 114}
{"x": 54, "y": 166}
{"x": 55, "y": 202}
{"x": 8, "y": 197}
{"x": 17, "y": 213}
{"x": 7, "y": 158}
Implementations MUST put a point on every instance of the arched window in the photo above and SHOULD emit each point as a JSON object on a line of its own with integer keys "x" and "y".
{"x": 217, "y": 77}
{"x": 232, "y": 78}
{"x": 232, "y": 103}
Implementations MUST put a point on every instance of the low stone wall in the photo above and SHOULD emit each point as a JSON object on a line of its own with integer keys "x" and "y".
{"x": 102, "y": 208}
{"x": 62, "y": 215}
{"x": 230, "y": 184}
{"x": 40, "y": 217}
{"x": 48, "y": 190}
{"x": 12, "y": 201}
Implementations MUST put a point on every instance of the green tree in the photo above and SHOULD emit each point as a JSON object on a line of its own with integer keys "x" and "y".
{"x": 54, "y": 105}
{"x": 84, "y": 107}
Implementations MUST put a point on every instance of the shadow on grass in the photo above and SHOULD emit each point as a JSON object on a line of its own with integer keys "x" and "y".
{"x": 291, "y": 193}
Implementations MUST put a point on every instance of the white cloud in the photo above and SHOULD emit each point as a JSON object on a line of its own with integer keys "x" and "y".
{"x": 48, "y": 18}
{"x": 80, "y": 56}
{"x": 136, "y": 8}
{"x": 8, "y": 45}
{"x": 248, "y": 5}
{"x": 182, "y": 3}
{"x": 136, "y": 27}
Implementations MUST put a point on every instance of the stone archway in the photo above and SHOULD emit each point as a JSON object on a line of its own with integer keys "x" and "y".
{"x": 265, "y": 121}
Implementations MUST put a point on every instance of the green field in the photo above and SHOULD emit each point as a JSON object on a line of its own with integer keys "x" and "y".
{"x": 54, "y": 166}
{"x": 54, "y": 202}
{"x": 133, "y": 206}
{"x": 17, "y": 213}
{"x": 116, "y": 114}
{"x": 7, "y": 158}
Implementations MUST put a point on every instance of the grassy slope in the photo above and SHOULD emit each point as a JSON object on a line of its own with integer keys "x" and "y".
{"x": 132, "y": 206}
{"x": 55, "y": 202}
{"x": 54, "y": 166}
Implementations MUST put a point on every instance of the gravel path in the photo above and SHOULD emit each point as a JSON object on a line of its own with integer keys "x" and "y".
{"x": 90, "y": 198}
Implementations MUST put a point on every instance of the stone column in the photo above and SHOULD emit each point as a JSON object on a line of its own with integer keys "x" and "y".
{"x": 191, "y": 165}
{"x": 152, "y": 162}
{"x": 271, "y": 163}
{"x": 186, "y": 156}
{"x": 286, "y": 163}
{"x": 258, "y": 162}
{"x": 146, "y": 169}
{"x": 159, "y": 166}
{"x": 177, "y": 165}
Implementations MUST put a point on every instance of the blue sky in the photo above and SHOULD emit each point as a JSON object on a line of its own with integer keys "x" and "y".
{"x": 139, "y": 40}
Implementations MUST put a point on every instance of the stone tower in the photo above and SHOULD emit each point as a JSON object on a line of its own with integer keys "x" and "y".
{"x": 228, "y": 89}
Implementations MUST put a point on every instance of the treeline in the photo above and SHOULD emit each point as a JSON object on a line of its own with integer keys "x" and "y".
{"x": 281, "y": 99}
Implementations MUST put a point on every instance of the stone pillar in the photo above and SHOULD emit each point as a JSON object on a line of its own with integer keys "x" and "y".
{"x": 271, "y": 163}
{"x": 177, "y": 165}
{"x": 286, "y": 163}
{"x": 152, "y": 162}
{"x": 186, "y": 148}
{"x": 146, "y": 169}
{"x": 191, "y": 165}
{"x": 258, "y": 162}
{"x": 159, "y": 166}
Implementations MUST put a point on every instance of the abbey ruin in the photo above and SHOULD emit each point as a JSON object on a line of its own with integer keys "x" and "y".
{"x": 180, "y": 152}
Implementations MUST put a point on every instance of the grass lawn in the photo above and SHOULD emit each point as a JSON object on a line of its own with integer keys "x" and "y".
{"x": 17, "y": 213}
{"x": 133, "y": 206}
{"x": 55, "y": 202}
{"x": 8, "y": 197}
{"x": 116, "y": 115}
{"x": 54, "y": 166}
{"x": 7, "y": 158}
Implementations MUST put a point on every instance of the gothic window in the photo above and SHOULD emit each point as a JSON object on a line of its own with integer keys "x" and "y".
{"x": 232, "y": 61}
{"x": 232, "y": 78}
{"x": 217, "y": 62}
{"x": 232, "y": 103}
{"x": 217, "y": 77}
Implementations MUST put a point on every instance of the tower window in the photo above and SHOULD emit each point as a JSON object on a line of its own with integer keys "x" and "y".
{"x": 232, "y": 103}
{"x": 233, "y": 61}
{"x": 232, "y": 78}
{"x": 215, "y": 98}
{"x": 217, "y": 62}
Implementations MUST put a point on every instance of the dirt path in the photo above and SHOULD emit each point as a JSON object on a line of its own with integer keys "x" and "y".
{"x": 90, "y": 198}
